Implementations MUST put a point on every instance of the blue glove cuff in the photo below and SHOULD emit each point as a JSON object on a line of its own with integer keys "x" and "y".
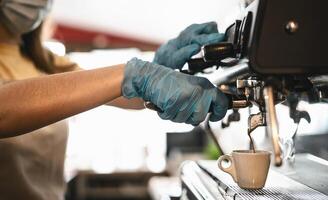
{"x": 130, "y": 85}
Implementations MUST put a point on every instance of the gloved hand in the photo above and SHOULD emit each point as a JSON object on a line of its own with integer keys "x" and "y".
{"x": 181, "y": 97}
{"x": 178, "y": 51}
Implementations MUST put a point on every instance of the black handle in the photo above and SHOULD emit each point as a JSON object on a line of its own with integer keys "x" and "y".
{"x": 198, "y": 65}
{"x": 212, "y": 56}
{"x": 218, "y": 52}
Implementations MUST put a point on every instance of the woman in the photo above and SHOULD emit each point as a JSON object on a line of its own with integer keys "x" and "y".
{"x": 32, "y": 164}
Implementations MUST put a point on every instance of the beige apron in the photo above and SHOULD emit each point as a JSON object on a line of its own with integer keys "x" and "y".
{"x": 31, "y": 165}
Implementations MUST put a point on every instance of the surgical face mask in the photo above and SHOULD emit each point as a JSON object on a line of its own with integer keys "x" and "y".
{"x": 22, "y": 16}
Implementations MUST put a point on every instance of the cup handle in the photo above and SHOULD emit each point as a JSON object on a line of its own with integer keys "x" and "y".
{"x": 231, "y": 169}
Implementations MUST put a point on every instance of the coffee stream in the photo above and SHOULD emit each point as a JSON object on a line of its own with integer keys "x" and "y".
{"x": 251, "y": 142}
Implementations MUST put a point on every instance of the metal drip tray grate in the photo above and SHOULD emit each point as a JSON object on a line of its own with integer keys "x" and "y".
{"x": 278, "y": 186}
{"x": 275, "y": 193}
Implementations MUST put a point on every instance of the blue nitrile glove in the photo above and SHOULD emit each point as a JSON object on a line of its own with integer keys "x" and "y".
{"x": 181, "y": 97}
{"x": 178, "y": 51}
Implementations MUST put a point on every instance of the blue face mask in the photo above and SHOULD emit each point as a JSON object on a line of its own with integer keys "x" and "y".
{"x": 23, "y": 16}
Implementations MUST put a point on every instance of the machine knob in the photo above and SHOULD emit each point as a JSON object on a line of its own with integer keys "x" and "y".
{"x": 217, "y": 52}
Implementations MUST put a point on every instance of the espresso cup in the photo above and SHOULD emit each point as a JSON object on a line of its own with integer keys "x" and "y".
{"x": 249, "y": 170}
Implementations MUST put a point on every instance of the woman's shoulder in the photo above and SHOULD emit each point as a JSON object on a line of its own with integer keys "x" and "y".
{"x": 13, "y": 65}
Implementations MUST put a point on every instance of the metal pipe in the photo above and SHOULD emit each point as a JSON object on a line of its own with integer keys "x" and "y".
{"x": 272, "y": 123}
{"x": 230, "y": 74}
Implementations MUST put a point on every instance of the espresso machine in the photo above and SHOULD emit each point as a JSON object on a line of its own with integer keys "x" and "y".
{"x": 274, "y": 54}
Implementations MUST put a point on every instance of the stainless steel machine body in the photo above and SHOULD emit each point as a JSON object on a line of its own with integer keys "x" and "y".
{"x": 275, "y": 54}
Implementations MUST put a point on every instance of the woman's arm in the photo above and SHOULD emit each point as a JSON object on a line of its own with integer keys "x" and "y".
{"x": 33, "y": 103}
{"x": 122, "y": 102}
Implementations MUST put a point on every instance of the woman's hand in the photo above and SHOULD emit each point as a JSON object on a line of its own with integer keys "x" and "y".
{"x": 180, "y": 97}
{"x": 178, "y": 51}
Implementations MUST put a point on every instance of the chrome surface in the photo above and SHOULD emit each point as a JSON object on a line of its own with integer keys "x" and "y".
{"x": 230, "y": 74}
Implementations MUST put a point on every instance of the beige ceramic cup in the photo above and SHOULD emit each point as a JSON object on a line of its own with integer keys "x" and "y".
{"x": 249, "y": 170}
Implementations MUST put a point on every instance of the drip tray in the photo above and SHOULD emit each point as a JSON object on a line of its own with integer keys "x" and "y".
{"x": 278, "y": 186}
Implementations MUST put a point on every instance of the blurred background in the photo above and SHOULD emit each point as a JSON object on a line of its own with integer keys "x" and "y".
{"x": 122, "y": 154}
{"x": 143, "y": 23}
